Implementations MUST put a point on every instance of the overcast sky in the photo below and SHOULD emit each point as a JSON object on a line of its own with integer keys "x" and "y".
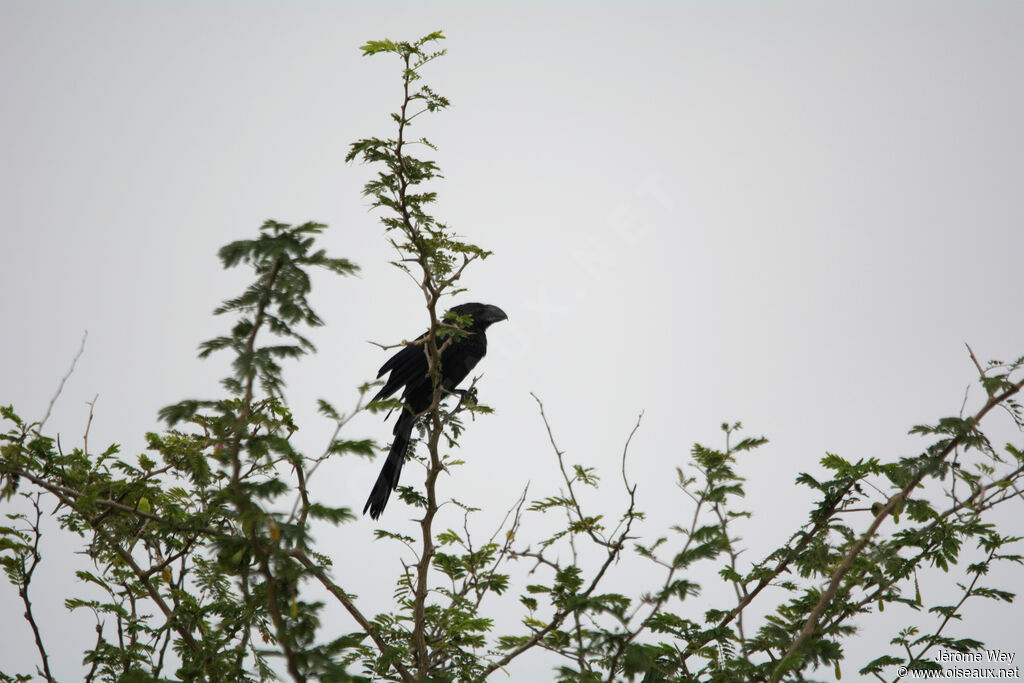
{"x": 792, "y": 214}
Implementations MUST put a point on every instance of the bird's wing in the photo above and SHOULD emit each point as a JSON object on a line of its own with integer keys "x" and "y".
{"x": 407, "y": 366}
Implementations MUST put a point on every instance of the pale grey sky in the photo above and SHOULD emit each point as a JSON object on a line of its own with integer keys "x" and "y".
{"x": 792, "y": 214}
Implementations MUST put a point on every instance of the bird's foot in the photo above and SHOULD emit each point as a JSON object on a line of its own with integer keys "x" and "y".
{"x": 467, "y": 396}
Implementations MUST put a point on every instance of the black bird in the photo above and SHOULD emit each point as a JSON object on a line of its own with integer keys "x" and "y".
{"x": 408, "y": 369}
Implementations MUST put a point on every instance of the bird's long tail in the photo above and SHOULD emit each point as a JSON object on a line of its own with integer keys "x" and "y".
{"x": 387, "y": 480}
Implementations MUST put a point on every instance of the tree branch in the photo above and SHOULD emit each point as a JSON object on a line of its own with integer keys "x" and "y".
{"x": 60, "y": 387}
{"x": 26, "y": 580}
{"x": 814, "y": 617}
{"x": 350, "y": 606}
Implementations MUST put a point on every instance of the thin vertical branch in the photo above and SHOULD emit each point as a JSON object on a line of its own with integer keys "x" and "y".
{"x": 242, "y": 503}
{"x": 26, "y": 580}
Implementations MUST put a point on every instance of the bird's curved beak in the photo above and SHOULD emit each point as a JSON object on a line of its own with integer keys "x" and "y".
{"x": 495, "y": 314}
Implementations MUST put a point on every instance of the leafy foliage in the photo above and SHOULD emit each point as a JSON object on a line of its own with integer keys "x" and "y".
{"x": 201, "y": 555}
{"x": 190, "y": 555}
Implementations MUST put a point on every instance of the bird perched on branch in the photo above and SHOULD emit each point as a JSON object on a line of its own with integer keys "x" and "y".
{"x": 408, "y": 369}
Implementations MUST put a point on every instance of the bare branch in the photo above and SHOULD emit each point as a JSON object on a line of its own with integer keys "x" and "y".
{"x": 60, "y": 387}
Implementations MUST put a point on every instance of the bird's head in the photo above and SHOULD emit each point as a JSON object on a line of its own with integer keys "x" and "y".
{"x": 484, "y": 315}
